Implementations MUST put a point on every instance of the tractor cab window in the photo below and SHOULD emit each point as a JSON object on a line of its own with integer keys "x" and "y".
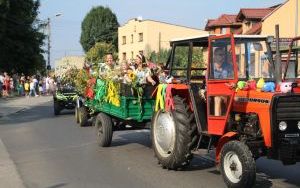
{"x": 180, "y": 60}
{"x": 252, "y": 59}
{"x": 221, "y": 60}
{"x": 198, "y": 65}
{"x": 292, "y": 66}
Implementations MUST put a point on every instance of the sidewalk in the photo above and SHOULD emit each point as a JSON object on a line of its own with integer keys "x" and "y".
{"x": 9, "y": 176}
{"x": 13, "y": 105}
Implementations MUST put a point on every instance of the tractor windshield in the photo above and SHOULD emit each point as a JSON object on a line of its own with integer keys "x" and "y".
{"x": 253, "y": 58}
{"x": 188, "y": 59}
{"x": 290, "y": 60}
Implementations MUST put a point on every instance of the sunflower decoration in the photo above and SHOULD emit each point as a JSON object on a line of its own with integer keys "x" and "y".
{"x": 132, "y": 76}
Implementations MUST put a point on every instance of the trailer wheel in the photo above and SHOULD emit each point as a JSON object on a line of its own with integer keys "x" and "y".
{"x": 93, "y": 123}
{"x": 104, "y": 130}
{"x": 173, "y": 135}
{"x": 56, "y": 108}
{"x": 77, "y": 114}
{"x": 237, "y": 165}
{"x": 82, "y": 116}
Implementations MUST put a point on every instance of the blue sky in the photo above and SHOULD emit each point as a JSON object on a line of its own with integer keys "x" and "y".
{"x": 66, "y": 29}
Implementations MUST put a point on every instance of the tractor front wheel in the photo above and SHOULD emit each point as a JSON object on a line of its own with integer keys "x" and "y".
{"x": 237, "y": 165}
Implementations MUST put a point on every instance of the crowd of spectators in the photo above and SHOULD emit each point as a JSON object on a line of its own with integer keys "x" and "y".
{"x": 29, "y": 86}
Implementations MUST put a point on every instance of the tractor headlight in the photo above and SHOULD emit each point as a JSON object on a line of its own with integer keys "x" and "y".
{"x": 283, "y": 125}
{"x": 299, "y": 125}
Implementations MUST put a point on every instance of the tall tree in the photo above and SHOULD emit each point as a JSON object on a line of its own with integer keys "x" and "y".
{"x": 21, "y": 41}
{"x": 99, "y": 25}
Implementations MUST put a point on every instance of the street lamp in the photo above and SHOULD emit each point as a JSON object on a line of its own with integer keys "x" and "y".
{"x": 49, "y": 40}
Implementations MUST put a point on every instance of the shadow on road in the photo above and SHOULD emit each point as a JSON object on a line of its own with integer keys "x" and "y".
{"x": 140, "y": 137}
{"x": 58, "y": 185}
{"x": 274, "y": 170}
{"x": 42, "y": 111}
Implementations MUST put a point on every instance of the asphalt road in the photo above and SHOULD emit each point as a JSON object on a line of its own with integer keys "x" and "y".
{"x": 54, "y": 152}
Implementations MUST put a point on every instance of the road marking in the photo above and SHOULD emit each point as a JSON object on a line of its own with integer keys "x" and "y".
{"x": 9, "y": 176}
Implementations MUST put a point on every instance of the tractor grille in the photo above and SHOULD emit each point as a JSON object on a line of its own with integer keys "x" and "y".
{"x": 286, "y": 143}
{"x": 288, "y": 108}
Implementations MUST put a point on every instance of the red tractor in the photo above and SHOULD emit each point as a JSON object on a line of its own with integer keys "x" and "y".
{"x": 232, "y": 104}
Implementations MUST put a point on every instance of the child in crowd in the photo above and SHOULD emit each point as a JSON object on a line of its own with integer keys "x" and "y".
{"x": 26, "y": 88}
{"x": 44, "y": 87}
{"x": 12, "y": 87}
{"x": 32, "y": 89}
{"x": 161, "y": 73}
{"x": 41, "y": 92}
{"x": 20, "y": 89}
{"x": 126, "y": 73}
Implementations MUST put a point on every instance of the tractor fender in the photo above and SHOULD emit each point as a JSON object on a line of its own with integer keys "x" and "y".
{"x": 223, "y": 140}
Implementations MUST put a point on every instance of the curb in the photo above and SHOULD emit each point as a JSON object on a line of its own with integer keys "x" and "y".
{"x": 9, "y": 176}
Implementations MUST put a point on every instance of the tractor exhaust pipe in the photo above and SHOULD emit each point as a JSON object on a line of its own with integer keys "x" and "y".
{"x": 278, "y": 66}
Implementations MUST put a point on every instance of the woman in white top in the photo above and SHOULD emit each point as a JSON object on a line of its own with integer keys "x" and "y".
{"x": 142, "y": 72}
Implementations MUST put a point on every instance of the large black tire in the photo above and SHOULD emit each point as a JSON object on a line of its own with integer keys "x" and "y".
{"x": 77, "y": 114}
{"x": 83, "y": 116}
{"x": 237, "y": 165}
{"x": 56, "y": 108}
{"x": 175, "y": 151}
{"x": 104, "y": 129}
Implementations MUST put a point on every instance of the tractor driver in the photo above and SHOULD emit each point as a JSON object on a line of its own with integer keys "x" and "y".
{"x": 221, "y": 71}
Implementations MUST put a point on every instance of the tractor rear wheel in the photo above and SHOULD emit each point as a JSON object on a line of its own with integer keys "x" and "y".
{"x": 237, "y": 165}
{"x": 104, "y": 129}
{"x": 82, "y": 116}
{"x": 174, "y": 135}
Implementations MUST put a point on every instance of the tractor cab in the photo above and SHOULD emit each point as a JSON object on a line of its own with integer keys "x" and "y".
{"x": 233, "y": 60}
{"x": 210, "y": 67}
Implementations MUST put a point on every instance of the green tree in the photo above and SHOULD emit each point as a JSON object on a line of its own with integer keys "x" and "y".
{"x": 99, "y": 25}
{"x": 97, "y": 53}
{"x": 20, "y": 39}
{"x": 160, "y": 57}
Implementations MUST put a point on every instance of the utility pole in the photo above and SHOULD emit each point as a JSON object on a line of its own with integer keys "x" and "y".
{"x": 296, "y": 19}
{"x": 49, "y": 42}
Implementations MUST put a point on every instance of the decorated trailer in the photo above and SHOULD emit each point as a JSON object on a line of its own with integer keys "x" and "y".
{"x": 112, "y": 105}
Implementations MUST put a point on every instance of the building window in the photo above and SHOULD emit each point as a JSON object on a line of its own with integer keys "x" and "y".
{"x": 131, "y": 38}
{"x": 140, "y": 37}
{"x": 124, "y": 40}
{"x": 131, "y": 54}
{"x": 124, "y": 55}
{"x": 223, "y": 30}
